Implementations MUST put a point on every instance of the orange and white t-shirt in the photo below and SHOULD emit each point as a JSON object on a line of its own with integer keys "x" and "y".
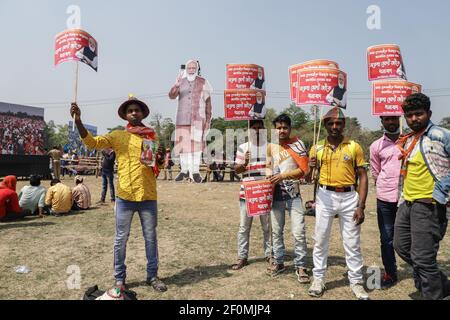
{"x": 290, "y": 160}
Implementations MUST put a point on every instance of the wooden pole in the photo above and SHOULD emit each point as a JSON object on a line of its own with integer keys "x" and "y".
{"x": 315, "y": 170}
{"x": 75, "y": 91}
{"x": 315, "y": 122}
{"x": 320, "y": 124}
{"x": 401, "y": 125}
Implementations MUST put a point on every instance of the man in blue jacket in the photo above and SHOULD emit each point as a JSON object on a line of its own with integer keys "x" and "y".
{"x": 421, "y": 220}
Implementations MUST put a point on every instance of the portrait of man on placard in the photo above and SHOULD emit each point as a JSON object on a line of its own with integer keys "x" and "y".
{"x": 259, "y": 82}
{"x": 259, "y": 110}
{"x": 337, "y": 97}
{"x": 89, "y": 54}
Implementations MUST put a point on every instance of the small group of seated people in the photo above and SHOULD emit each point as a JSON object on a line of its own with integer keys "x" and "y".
{"x": 33, "y": 199}
{"x": 61, "y": 199}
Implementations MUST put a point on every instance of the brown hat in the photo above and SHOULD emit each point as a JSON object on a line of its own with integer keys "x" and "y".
{"x": 132, "y": 100}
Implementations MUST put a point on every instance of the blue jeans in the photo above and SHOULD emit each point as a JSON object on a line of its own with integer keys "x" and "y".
{"x": 386, "y": 212}
{"x": 297, "y": 213}
{"x": 147, "y": 211}
{"x": 106, "y": 177}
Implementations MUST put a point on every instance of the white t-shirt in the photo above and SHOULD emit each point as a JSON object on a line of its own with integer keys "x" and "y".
{"x": 256, "y": 168}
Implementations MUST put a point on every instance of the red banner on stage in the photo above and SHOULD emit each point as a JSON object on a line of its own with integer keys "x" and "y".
{"x": 245, "y": 76}
{"x": 244, "y": 104}
{"x": 76, "y": 45}
{"x": 385, "y": 62}
{"x": 388, "y": 96}
{"x": 313, "y": 64}
{"x": 258, "y": 197}
{"x": 326, "y": 87}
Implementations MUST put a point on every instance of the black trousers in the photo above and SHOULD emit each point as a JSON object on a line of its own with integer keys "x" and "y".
{"x": 419, "y": 227}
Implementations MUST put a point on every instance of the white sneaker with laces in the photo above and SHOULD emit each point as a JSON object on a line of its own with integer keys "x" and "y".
{"x": 359, "y": 291}
{"x": 317, "y": 288}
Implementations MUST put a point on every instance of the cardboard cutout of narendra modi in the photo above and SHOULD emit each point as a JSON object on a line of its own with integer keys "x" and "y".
{"x": 193, "y": 119}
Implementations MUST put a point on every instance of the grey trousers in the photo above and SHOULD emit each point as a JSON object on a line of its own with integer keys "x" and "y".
{"x": 245, "y": 226}
{"x": 419, "y": 227}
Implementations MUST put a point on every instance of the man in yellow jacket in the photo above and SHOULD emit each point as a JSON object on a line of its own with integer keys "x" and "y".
{"x": 136, "y": 190}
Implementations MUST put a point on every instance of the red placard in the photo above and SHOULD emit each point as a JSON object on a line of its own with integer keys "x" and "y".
{"x": 321, "y": 87}
{"x": 245, "y": 76}
{"x": 258, "y": 197}
{"x": 76, "y": 45}
{"x": 239, "y": 104}
{"x": 385, "y": 62}
{"x": 313, "y": 64}
{"x": 388, "y": 96}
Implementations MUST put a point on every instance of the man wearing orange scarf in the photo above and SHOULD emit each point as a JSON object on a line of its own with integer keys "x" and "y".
{"x": 287, "y": 162}
{"x": 421, "y": 221}
{"x": 136, "y": 190}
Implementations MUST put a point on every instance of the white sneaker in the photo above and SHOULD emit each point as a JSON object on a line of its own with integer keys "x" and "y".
{"x": 359, "y": 291}
{"x": 317, "y": 288}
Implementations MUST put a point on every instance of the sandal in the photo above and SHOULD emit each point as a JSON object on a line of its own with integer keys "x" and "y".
{"x": 157, "y": 284}
{"x": 241, "y": 263}
{"x": 302, "y": 275}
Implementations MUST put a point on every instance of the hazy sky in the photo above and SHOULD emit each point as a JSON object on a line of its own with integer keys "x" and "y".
{"x": 143, "y": 43}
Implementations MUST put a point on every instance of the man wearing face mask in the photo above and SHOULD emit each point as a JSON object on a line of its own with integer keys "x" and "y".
{"x": 385, "y": 167}
{"x": 258, "y": 112}
{"x": 193, "y": 119}
{"x": 338, "y": 96}
{"x": 259, "y": 82}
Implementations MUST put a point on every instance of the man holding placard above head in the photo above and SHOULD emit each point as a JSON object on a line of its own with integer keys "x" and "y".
{"x": 338, "y": 96}
{"x": 138, "y": 167}
{"x": 251, "y": 162}
{"x": 193, "y": 119}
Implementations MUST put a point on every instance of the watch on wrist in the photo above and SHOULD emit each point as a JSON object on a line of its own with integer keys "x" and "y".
{"x": 362, "y": 206}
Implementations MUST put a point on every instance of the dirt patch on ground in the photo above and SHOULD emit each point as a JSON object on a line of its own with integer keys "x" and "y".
{"x": 197, "y": 230}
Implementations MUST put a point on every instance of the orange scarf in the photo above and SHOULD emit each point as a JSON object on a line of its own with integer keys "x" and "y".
{"x": 405, "y": 153}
